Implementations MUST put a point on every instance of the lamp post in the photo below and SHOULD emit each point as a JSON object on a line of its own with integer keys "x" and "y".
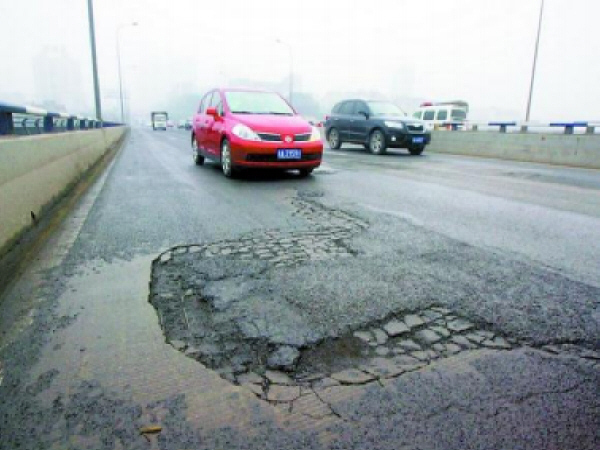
{"x": 119, "y": 28}
{"x": 535, "y": 55}
{"x": 289, "y": 47}
{"x": 94, "y": 64}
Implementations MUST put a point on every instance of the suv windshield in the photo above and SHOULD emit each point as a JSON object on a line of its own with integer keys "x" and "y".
{"x": 385, "y": 109}
{"x": 257, "y": 103}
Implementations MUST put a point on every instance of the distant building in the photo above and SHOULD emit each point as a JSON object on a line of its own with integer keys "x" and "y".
{"x": 58, "y": 81}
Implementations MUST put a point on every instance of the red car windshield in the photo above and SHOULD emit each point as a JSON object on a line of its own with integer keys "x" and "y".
{"x": 257, "y": 103}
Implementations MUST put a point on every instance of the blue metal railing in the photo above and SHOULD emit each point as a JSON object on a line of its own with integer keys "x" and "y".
{"x": 523, "y": 127}
{"x": 25, "y": 120}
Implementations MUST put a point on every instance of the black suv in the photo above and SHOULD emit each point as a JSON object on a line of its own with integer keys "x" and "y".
{"x": 375, "y": 124}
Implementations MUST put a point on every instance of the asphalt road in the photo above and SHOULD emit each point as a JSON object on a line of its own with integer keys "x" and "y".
{"x": 492, "y": 267}
{"x": 547, "y": 214}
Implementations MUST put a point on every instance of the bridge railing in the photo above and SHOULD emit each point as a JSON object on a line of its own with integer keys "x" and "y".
{"x": 26, "y": 120}
{"x": 578, "y": 127}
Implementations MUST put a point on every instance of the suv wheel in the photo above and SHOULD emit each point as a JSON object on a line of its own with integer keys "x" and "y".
{"x": 334, "y": 139}
{"x": 377, "y": 142}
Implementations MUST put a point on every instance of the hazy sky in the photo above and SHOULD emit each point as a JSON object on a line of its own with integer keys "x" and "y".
{"x": 477, "y": 50}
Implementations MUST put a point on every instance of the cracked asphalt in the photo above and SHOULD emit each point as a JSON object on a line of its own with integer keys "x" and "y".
{"x": 436, "y": 302}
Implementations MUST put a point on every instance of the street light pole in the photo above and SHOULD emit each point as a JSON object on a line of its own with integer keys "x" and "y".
{"x": 119, "y": 28}
{"x": 94, "y": 64}
{"x": 535, "y": 55}
{"x": 289, "y": 47}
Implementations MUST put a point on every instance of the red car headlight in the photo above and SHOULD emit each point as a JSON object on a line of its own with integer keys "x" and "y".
{"x": 244, "y": 132}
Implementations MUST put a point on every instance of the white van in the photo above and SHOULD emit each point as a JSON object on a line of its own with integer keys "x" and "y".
{"x": 437, "y": 115}
{"x": 159, "y": 120}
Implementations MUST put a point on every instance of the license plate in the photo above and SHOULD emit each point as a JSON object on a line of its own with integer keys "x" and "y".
{"x": 418, "y": 140}
{"x": 289, "y": 153}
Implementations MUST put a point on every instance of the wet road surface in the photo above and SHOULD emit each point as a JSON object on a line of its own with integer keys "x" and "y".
{"x": 383, "y": 302}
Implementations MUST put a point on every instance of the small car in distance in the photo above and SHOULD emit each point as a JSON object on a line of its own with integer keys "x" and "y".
{"x": 185, "y": 124}
{"x": 377, "y": 125}
{"x": 245, "y": 129}
{"x": 443, "y": 114}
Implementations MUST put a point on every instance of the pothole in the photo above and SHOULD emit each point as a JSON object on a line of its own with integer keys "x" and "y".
{"x": 270, "y": 350}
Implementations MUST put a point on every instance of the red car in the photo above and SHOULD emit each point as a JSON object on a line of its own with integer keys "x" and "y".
{"x": 244, "y": 129}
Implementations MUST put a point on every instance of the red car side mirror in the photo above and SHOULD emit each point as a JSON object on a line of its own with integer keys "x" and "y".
{"x": 212, "y": 111}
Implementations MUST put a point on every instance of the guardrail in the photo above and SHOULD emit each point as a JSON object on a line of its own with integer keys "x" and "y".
{"x": 26, "y": 120}
{"x": 522, "y": 127}
{"x": 546, "y": 144}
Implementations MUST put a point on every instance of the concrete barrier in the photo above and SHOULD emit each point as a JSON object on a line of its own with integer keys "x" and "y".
{"x": 567, "y": 150}
{"x": 35, "y": 171}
